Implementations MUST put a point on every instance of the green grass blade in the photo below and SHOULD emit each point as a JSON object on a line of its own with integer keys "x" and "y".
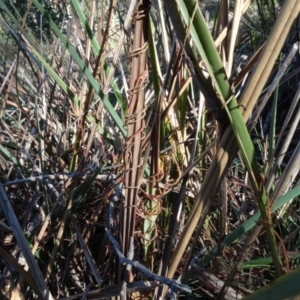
{"x": 251, "y": 222}
{"x": 262, "y": 262}
{"x": 96, "y": 48}
{"x": 83, "y": 68}
{"x": 283, "y": 288}
{"x": 273, "y": 128}
{"x": 229, "y": 103}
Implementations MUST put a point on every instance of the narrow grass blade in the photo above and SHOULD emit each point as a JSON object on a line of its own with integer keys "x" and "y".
{"x": 23, "y": 244}
{"x": 284, "y": 287}
{"x": 251, "y": 222}
{"x": 85, "y": 70}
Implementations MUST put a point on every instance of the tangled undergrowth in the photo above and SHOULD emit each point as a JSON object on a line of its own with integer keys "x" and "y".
{"x": 140, "y": 144}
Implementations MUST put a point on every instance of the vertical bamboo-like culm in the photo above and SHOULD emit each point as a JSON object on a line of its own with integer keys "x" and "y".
{"x": 134, "y": 121}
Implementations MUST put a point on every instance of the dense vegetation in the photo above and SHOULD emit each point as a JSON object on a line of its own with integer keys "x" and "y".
{"x": 149, "y": 150}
